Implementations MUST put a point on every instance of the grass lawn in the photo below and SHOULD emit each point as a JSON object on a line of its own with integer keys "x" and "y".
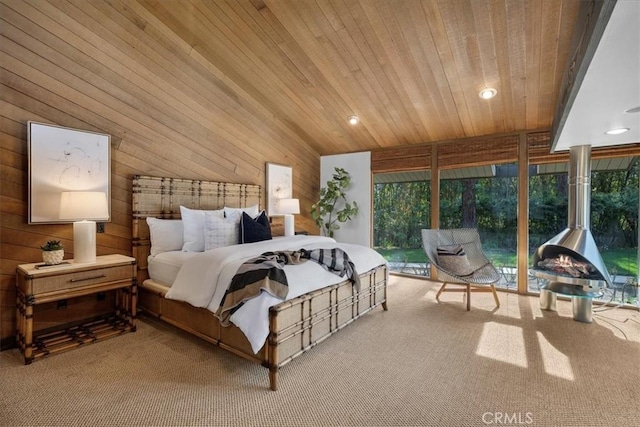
{"x": 625, "y": 261}
{"x": 618, "y": 261}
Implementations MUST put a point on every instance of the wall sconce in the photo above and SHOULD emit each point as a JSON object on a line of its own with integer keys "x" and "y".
{"x": 84, "y": 208}
{"x": 289, "y": 207}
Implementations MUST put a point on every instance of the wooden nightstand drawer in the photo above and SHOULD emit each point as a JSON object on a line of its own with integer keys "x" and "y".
{"x": 41, "y": 285}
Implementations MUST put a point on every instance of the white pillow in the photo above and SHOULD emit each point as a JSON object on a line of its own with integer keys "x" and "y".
{"x": 219, "y": 232}
{"x": 236, "y": 213}
{"x": 193, "y": 223}
{"x": 166, "y": 235}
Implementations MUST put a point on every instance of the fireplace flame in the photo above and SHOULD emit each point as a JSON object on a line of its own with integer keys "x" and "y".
{"x": 568, "y": 265}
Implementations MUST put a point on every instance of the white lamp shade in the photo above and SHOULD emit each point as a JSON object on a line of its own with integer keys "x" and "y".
{"x": 288, "y": 206}
{"x": 84, "y": 205}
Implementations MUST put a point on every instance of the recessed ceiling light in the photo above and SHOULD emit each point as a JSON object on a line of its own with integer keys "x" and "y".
{"x": 353, "y": 120}
{"x": 488, "y": 93}
{"x": 616, "y": 131}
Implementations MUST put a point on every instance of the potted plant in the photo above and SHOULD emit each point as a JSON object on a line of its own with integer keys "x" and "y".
{"x": 333, "y": 206}
{"x": 52, "y": 252}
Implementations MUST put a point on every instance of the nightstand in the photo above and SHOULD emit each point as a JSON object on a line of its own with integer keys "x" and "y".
{"x": 36, "y": 285}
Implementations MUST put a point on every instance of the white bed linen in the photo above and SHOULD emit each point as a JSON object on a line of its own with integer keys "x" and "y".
{"x": 204, "y": 278}
{"x": 164, "y": 267}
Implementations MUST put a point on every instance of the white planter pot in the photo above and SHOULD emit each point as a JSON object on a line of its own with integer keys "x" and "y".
{"x": 53, "y": 257}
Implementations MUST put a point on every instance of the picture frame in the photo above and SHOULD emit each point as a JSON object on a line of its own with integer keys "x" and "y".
{"x": 279, "y": 185}
{"x": 65, "y": 159}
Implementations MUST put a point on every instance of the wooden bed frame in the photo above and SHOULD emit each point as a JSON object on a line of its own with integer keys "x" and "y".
{"x": 295, "y": 326}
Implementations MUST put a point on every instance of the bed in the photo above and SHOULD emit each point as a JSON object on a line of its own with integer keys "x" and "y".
{"x": 293, "y": 326}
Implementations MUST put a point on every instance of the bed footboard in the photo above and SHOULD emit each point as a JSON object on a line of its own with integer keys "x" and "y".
{"x": 300, "y": 324}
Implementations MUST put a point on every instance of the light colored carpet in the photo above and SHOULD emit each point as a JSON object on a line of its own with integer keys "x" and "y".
{"x": 420, "y": 363}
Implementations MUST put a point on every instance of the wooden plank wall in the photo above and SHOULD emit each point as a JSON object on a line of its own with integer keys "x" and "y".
{"x": 113, "y": 67}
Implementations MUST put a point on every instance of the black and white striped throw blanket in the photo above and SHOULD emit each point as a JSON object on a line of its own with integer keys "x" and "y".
{"x": 266, "y": 273}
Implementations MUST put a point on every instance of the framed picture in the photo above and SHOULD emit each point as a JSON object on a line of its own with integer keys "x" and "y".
{"x": 279, "y": 185}
{"x": 64, "y": 159}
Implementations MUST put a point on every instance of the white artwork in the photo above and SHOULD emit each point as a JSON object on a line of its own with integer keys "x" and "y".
{"x": 63, "y": 159}
{"x": 279, "y": 185}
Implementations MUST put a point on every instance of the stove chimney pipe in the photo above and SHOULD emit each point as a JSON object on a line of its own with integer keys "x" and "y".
{"x": 580, "y": 187}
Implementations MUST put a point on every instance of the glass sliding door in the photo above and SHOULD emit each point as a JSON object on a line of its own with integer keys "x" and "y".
{"x": 401, "y": 208}
{"x": 485, "y": 197}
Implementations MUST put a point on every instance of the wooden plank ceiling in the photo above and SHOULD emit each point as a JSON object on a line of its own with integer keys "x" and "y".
{"x": 411, "y": 70}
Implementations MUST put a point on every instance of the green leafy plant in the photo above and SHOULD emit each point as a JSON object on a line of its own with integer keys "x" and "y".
{"x": 333, "y": 206}
{"x": 52, "y": 245}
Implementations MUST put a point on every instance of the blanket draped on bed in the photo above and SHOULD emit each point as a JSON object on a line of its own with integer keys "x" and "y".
{"x": 266, "y": 273}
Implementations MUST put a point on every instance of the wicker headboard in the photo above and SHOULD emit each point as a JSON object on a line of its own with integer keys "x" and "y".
{"x": 161, "y": 198}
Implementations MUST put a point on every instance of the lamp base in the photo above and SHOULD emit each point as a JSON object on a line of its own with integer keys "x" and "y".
{"x": 289, "y": 225}
{"x": 84, "y": 241}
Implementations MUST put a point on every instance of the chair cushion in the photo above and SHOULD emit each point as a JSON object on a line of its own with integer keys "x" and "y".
{"x": 453, "y": 259}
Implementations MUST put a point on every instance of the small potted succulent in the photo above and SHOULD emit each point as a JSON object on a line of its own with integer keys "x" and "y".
{"x": 52, "y": 252}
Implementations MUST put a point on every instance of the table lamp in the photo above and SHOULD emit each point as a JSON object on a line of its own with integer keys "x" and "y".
{"x": 84, "y": 207}
{"x": 288, "y": 207}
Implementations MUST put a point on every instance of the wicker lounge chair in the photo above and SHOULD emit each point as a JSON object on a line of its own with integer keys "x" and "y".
{"x": 458, "y": 258}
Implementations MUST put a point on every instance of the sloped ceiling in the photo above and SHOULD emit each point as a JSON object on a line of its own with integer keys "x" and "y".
{"x": 411, "y": 70}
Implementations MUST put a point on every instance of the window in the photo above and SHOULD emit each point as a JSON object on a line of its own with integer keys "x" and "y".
{"x": 548, "y": 198}
{"x": 479, "y": 188}
{"x": 614, "y": 223}
{"x": 401, "y": 208}
{"x": 485, "y": 197}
